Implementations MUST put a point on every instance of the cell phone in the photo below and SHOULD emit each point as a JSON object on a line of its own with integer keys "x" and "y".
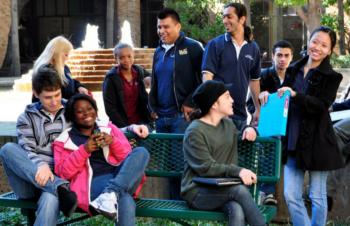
{"x": 97, "y": 131}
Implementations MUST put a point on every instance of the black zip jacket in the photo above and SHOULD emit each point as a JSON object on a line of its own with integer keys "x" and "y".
{"x": 113, "y": 97}
{"x": 316, "y": 148}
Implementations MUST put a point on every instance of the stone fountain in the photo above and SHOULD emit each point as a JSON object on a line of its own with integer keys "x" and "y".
{"x": 90, "y": 63}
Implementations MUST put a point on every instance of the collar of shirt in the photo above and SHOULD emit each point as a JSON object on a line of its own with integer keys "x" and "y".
{"x": 167, "y": 47}
{"x": 52, "y": 116}
{"x": 238, "y": 48}
{"x": 133, "y": 73}
{"x": 74, "y": 131}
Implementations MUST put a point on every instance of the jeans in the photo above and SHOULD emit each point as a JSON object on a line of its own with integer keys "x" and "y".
{"x": 236, "y": 201}
{"x": 21, "y": 171}
{"x": 123, "y": 182}
{"x": 174, "y": 124}
{"x": 293, "y": 192}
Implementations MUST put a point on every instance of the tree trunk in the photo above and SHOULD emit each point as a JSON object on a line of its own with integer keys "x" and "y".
{"x": 15, "y": 65}
{"x": 341, "y": 27}
{"x": 247, "y": 6}
{"x": 312, "y": 17}
{"x": 110, "y": 23}
{"x": 5, "y": 26}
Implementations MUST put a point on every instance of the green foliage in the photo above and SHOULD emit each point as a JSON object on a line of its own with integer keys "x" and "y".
{"x": 341, "y": 61}
{"x": 199, "y": 18}
{"x": 347, "y": 7}
{"x": 327, "y": 3}
{"x": 330, "y": 21}
{"x": 286, "y": 3}
{"x": 11, "y": 216}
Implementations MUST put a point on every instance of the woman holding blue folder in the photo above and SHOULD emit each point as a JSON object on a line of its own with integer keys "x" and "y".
{"x": 310, "y": 141}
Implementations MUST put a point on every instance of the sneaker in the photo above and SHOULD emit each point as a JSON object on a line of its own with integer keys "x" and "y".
{"x": 269, "y": 200}
{"x": 107, "y": 205}
{"x": 67, "y": 200}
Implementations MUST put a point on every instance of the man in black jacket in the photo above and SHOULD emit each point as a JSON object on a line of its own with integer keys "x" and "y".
{"x": 272, "y": 78}
{"x": 176, "y": 74}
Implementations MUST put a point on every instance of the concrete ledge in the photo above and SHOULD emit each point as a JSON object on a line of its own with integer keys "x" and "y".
{"x": 7, "y": 82}
{"x": 8, "y": 129}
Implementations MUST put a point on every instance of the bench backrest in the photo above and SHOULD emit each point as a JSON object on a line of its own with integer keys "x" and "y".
{"x": 262, "y": 156}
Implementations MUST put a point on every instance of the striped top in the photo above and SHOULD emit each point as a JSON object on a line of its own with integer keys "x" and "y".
{"x": 36, "y": 131}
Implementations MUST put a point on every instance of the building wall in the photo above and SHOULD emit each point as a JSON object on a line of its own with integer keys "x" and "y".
{"x": 5, "y": 18}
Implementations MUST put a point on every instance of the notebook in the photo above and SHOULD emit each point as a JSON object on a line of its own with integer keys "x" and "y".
{"x": 217, "y": 181}
{"x": 273, "y": 115}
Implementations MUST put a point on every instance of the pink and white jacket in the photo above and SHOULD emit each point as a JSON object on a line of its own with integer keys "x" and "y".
{"x": 72, "y": 162}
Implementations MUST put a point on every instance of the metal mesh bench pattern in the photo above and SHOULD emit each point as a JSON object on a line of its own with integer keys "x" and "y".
{"x": 167, "y": 156}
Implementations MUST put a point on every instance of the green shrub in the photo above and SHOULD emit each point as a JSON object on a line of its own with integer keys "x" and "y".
{"x": 200, "y": 19}
{"x": 341, "y": 61}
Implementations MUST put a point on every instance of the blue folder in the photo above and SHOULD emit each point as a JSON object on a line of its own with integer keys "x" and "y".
{"x": 273, "y": 115}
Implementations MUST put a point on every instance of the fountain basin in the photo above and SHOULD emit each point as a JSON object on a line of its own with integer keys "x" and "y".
{"x": 91, "y": 66}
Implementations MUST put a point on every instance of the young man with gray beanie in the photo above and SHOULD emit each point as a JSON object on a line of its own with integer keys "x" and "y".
{"x": 210, "y": 150}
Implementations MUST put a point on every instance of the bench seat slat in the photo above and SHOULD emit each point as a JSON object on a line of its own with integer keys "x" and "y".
{"x": 179, "y": 210}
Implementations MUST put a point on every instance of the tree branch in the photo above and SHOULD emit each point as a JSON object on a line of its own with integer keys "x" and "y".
{"x": 302, "y": 15}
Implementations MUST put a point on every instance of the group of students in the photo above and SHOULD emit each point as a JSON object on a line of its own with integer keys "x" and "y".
{"x": 66, "y": 157}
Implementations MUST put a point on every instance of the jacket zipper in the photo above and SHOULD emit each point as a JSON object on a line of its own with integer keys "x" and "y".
{"x": 177, "y": 102}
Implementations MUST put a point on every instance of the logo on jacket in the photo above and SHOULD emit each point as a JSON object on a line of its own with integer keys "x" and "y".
{"x": 249, "y": 57}
{"x": 183, "y": 51}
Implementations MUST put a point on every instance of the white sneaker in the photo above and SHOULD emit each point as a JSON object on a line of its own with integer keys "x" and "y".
{"x": 107, "y": 205}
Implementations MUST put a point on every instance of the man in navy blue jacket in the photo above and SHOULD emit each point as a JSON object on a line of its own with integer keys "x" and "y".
{"x": 176, "y": 73}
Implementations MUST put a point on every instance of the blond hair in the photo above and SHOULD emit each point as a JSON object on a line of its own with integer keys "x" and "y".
{"x": 52, "y": 54}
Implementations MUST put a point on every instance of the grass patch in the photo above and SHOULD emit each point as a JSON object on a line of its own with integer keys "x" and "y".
{"x": 13, "y": 217}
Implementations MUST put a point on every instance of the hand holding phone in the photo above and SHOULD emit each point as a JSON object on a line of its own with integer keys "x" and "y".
{"x": 99, "y": 137}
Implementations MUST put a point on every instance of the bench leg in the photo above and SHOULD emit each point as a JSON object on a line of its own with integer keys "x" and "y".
{"x": 30, "y": 214}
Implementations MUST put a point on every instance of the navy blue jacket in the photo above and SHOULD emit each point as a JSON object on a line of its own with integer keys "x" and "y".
{"x": 187, "y": 74}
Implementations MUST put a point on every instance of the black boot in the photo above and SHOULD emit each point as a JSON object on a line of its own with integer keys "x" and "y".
{"x": 67, "y": 199}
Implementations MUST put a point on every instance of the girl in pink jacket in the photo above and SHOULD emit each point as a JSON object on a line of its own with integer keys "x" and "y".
{"x": 99, "y": 162}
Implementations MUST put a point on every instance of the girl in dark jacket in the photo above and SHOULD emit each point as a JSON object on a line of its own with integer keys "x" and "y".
{"x": 310, "y": 141}
{"x": 124, "y": 93}
{"x": 55, "y": 55}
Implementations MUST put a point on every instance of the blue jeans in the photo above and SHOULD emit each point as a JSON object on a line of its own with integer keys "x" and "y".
{"x": 123, "y": 182}
{"x": 173, "y": 124}
{"x": 236, "y": 201}
{"x": 293, "y": 191}
{"x": 21, "y": 171}
{"x": 176, "y": 124}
